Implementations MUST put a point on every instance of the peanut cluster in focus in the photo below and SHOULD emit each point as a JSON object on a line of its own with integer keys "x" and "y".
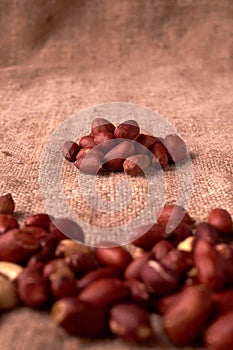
{"x": 185, "y": 276}
{"x": 123, "y": 148}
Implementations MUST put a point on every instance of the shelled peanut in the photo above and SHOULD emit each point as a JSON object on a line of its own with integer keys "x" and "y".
{"x": 185, "y": 275}
{"x": 122, "y": 148}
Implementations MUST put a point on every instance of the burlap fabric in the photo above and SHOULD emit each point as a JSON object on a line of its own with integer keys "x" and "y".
{"x": 58, "y": 57}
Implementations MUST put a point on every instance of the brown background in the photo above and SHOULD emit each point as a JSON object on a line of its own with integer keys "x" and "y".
{"x": 60, "y": 56}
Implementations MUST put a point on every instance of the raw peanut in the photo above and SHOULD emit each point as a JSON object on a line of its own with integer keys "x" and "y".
{"x": 38, "y": 232}
{"x": 186, "y": 318}
{"x": 135, "y": 165}
{"x": 219, "y": 335}
{"x": 46, "y": 253}
{"x": 210, "y": 265}
{"x": 164, "y": 303}
{"x": 33, "y": 287}
{"x": 91, "y": 163}
{"x": 175, "y": 213}
{"x": 87, "y": 141}
{"x": 39, "y": 220}
{"x": 8, "y": 294}
{"x": 7, "y": 222}
{"x": 226, "y": 251}
{"x": 17, "y": 246}
{"x": 114, "y": 159}
{"x": 223, "y": 301}
{"x": 145, "y": 142}
{"x": 158, "y": 279}
{"x": 146, "y": 236}
{"x": 105, "y": 292}
{"x": 133, "y": 270}
{"x": 222, "y": 221}
{"x": 207, "y": 232}
{"x": 187, "y": 244}
{"x": 140, "y": 296}
{"x": 178, "y": 261}
{"x": 130, "y": 322}
{"x": 68, "y": 247}
{"x": 80, "y": 318}
{"x": 63, "y": 227}
{"x": 179, "y": 233}
{"x": 159, "y": 158}
{"x": 100, "y": 273}
{"x": 101, "y": 125}
{"x": 127, "y": 130}
{"x": 61, "y": 277}
{"x": 116, "y": 257}
{"x": 161, "y": 248}
{"x": 69, "y": 150}
{"x": 7, "y": 204}
{"x": 10, "y": 270}
{"x": 81, "y": 263}
{"x": 175, "y": 147}
{"x": 83, "y": 152}
{"x": 107, "y": 145}
{"x": 57, "y": 267}
{"x": 103, "y": 137}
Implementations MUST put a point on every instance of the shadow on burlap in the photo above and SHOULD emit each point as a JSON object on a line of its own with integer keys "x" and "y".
{"x": 58, "y": 57}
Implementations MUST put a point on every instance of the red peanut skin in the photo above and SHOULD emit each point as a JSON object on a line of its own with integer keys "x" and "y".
{"x": 219, "y": 335}
{"x": 17, "y": 246}
{"x": 128, "y": 129}
{"x": 101, "y": 125}
{"x": 159, "y": 158}
{"x": 116, "y": 257}
{"x": 7, "y": 222}
{"x": 222, "y": 221}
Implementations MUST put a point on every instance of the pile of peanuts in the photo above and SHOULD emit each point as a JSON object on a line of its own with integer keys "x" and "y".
{"x": 186, "y": 276}
{"x": 122, "y": 148}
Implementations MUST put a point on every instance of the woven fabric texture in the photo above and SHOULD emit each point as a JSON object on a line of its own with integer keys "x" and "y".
{"x": 58, "y": 57}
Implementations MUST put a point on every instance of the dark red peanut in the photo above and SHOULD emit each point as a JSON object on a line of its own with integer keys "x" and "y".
{"x": 62, "y": 287}
{"x": 178, "y": 261}
{"x": 114, "y": 159}
{"x": 133, "y": 270}
{"x": 158, "y": 279}
{"x": 165, "y": 302}
{"x": 175, "y": 147}
{"x": 62, "y": 228}
{"x": 140, "y": 296}
{"x": 176, "y": 213}
{"x": 210, "y": 265}
{"x": 80, "y": 318}
{"x": 159, "y": 158}
{"x": 81, "y": 263}
{"x": 40, "y": 220}
{"x": 222, "y": 221}
{"x": 69, "y": 150}
{"x": 7, "y": 222}
{"x": 161, "y": 248}
{"x": 145, "y": 140}
{"x": 207, "y": 232}
{"x": 100, "y": 273}
{"x": 104, "y": 137}
{"x": 223, "y": 301}
{"x": 186, "y": 318}
{"x": 87, "y": 141}
{"x": 219, "y": 335}
{"x": 82, "y": 153}
{"x": 136, "y": 164}
{"x": 179, "y": 233}
{"x": 146, "y": 236}
{"x": 117, "y": 257}
{"x": 101, "y": 125}
{"x": 105, "y": 292}
{"x": 38, "y": 232}
{"x": 226, "y": 251}
{"x": 7, "y": 204}
{"x": 130, "y": 322}
{"x": 17, "y": 246}
{"x": 57, "y": 267}
{"x": 91, "y": 163}
{"x": 127, "y": 130}
{"x": 33, "y": 288}
{"x": 46, "y": 252}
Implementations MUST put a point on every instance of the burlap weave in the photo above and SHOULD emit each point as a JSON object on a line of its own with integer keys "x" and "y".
{"x": 60, "y": 56}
